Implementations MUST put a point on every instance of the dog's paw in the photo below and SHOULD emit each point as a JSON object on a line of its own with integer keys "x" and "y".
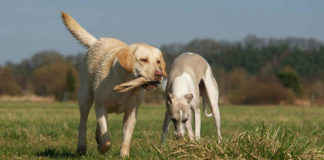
{"x": 124, "y": 153}
{"x": 82, "y": 150}
{"x": 103, "y": 148}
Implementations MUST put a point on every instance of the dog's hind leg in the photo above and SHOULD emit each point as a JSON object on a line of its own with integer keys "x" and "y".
{"x": 85, "y": 101}
{"x": 204, "y": 99}
{"x": 212, "y": 94}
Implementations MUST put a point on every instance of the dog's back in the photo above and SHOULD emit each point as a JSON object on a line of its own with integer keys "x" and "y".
{"x": 191, "y": 63}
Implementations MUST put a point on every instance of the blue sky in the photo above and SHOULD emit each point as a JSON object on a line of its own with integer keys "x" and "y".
{"x": 27, "y": 27}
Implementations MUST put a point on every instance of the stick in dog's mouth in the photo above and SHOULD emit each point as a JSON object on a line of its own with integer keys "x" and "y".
{"x": 151, "y": 84}
{"x": 140, "y": 81}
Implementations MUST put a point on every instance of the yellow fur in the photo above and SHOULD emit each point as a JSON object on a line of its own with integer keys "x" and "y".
{"x": 77, "y": 31}
{"x": 110, "y": 62}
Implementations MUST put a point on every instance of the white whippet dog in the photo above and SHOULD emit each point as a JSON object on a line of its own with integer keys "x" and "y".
{"x": 189, "y": 78}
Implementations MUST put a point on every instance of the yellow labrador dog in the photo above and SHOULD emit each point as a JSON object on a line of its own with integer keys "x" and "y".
{"x": 108, "y": 63}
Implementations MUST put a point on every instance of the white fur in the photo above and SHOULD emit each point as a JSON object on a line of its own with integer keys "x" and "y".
{"x": 181, "y": 125}
{"x": 213, "y": 95}
{"x": 183, "y": 84}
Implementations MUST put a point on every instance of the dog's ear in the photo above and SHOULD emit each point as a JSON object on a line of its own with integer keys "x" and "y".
{"x": 188, "y": 97}
{"x": 170, "y": 98}
{"x": 126, "y": 58}
{"x": 163, "y": 67}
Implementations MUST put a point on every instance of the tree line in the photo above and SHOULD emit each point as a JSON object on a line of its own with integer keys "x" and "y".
{"x": 252, "y": 71}
{"x": 46, "y": 73}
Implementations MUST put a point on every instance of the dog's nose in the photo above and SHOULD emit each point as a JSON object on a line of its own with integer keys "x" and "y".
{"x": 158, "y": 75}
{"x": 178, "y": 136}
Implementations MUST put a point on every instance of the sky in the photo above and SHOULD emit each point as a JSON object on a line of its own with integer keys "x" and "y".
{"x": 27, "y": 27}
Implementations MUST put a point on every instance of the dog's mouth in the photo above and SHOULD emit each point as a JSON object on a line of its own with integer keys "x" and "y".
{"x": 139, "y": 81}
{"x": 150, "y": 85}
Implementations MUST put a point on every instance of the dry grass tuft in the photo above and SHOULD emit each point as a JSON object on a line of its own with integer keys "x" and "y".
{"x": 26, "y": 98}
{"x": 261, "y": 143}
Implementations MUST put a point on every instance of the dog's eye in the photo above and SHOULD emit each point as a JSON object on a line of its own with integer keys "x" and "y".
{"x": 173, "y": 120}
{"x": 144, "y": 60}
{"x": 158, "y": 61}
{"x": 184, "y": 121}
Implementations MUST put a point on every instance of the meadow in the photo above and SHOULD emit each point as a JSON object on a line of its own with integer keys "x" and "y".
{"x": 49, "y": 131}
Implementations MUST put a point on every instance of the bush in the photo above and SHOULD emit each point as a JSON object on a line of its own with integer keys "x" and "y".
{"x": 290, "y": 79}
{"x": 8, "y": 85}
{"x": 229, "y": 82}
{"x": 261, "y": 91}
{"x": 55, "y": 80}
{"x": 314, "y": 91}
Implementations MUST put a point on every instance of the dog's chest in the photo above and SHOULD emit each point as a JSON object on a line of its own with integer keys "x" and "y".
{"x": 119, "y": 103}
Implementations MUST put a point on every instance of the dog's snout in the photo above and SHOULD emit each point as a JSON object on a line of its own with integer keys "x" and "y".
{"x": 158, "y": 75}
{"x": 177, "y": 135}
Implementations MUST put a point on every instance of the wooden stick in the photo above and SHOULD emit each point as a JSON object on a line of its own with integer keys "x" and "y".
{"x": 130, "y": 84}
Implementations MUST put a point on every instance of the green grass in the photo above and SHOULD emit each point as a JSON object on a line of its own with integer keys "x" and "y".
{"x": 49, "y": 131}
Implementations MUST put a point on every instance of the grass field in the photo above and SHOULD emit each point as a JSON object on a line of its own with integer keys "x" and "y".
{"x": 49, "y": 131}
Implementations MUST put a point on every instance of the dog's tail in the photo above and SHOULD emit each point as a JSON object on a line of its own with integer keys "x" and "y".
{"x": 205, "y": 109}
{"x": 77, "y": 31}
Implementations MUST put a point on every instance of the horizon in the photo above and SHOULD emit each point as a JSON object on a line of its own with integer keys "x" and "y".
{"x": 166, "y": 44}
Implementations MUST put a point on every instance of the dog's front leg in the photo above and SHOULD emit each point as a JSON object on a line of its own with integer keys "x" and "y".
{"x": 189, "y": 128}
{"x": 166, "y": 125}
{"x": 197, "y": 123}
{"x": 102, "y": 137}
{"x": 128, "y": 128}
